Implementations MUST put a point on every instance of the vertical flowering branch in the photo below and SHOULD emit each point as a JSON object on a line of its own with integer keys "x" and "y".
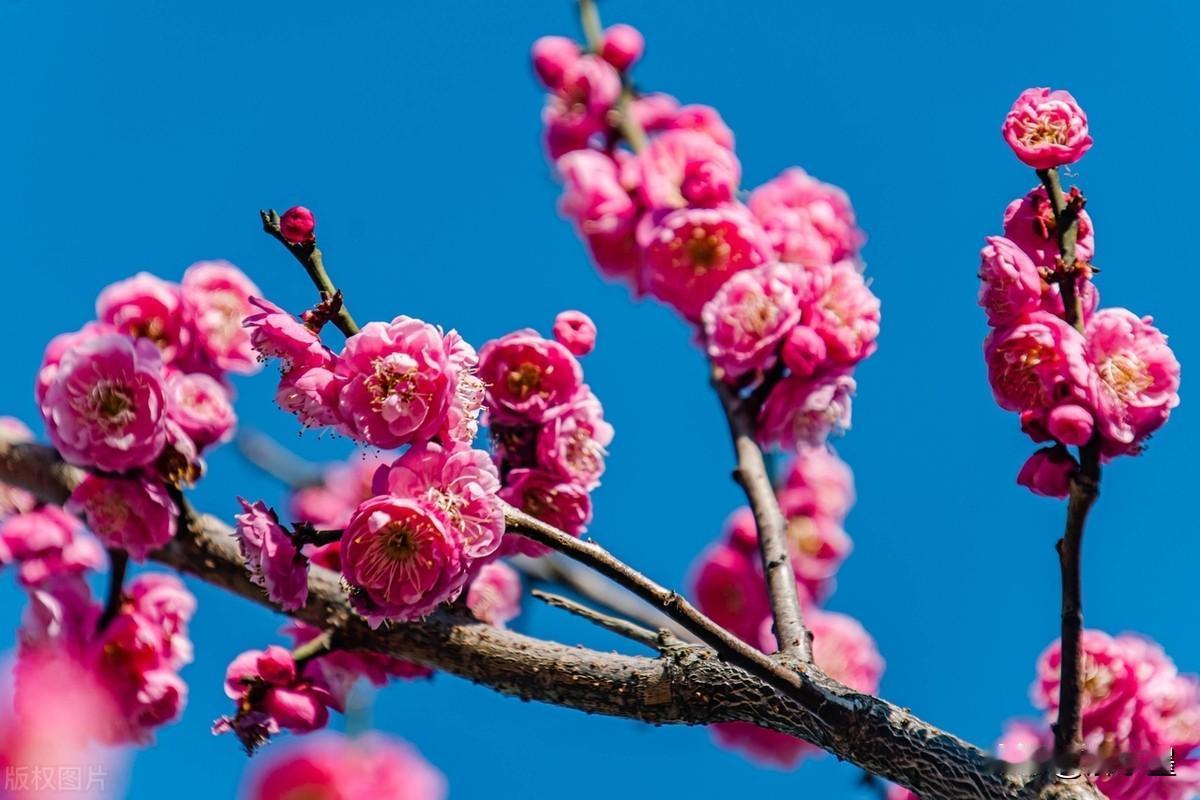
{"x": 1101, "y": 381}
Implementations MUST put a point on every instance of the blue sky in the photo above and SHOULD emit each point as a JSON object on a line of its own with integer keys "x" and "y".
{"x": 145, "y": 135}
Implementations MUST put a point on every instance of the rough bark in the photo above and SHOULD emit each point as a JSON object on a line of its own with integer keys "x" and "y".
{"x": 687, "y": 684}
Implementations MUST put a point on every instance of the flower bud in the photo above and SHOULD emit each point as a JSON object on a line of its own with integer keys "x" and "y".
{"x": 1070, "y": 424}
{"x": 803, "y": 351}
{"x": 622, "y": 46}
{"x": 1048, "y": 472}
{"x": 551, "y": 57}
{"x": 297, "y": 225}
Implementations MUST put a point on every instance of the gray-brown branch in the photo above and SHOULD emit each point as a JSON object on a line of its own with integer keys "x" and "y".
{"x": 689, "y": 684}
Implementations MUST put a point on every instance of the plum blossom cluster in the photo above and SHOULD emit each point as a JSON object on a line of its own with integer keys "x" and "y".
{"x": 1077, "y": 375}
{"x": 140, "y": 393}
{"x": 549, "y": 436}
{"x": 274, "y": 690}
{"x": 368, "y": 767}
{"x": 729, "y": 587}
{"x": 775, "y": 284}
{"x": 1141, "y": 719}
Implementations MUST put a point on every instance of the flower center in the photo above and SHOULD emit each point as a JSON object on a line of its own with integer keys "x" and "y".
{"x": 706, "y": 249}
{"x": 392, "y": 380}
{"x": 758, "y": 314}
{"x": 802, "y": 533}
{"x": 108, "y": 404}
{"x": 524, "y": 380}
{"x": 1126, "y": 375}
{"x": 1045, "y": 130}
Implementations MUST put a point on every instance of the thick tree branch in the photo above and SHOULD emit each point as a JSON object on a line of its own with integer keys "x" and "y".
{"x": 751, "y": 473}
{"x": 687, "y": 684}
{"x": 1085, "y": 489}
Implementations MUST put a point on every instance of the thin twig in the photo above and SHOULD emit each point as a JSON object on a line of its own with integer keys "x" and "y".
{"x": 599, "y": 591}
{"x": 277, "y": 461}
{"x": 621, "y": 627}
{"x": 1084, "y": 490}
{"x": 728, "y": 646}
{"x": 752, "y": 474}
{"x": 318, "y": 645}
{"x": 119, "y": 565}
{"x": 309, "y": 256}
{"x": 625, "y": 122}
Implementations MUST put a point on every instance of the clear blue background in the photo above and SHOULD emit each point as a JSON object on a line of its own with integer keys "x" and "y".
{"x": 145, "y": 135}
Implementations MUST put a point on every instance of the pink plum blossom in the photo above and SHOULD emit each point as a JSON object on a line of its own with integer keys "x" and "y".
{"x": 803, "y": 351}
{"x": 164, "y": 601}
{"x": 1010, "y": 285}
{"x": 271, "y": 556}
{"x": 807, "y": 222}
{"x": 271, "y": 697}
{"x": 846, "y": 315}
{"x": 147, "y": 307}
{"x": 297, "y": 224}
{"x": 462, "y": 417}
{"x": 752, "y": 312}
{"x": 817, "y": 483}
{"x": 59, "y": 347}
{"x": 494, "y": 594}
{"x": 1137, "y": 375}
{"x": 335, "y": 767}
{"x": 685, "y": 168}
{"x": 200, "y": 406}
{"x": 45, "y": 543}
{"x": 216, "y": 295}
{"x": 577, "y": 106}
{"x": 1029, "y": 223}
{"x": 399, "y": 382}
{"x": 803, "y": 412}
{"x": 621, "y": 46}
{"x": 402, "y": 559}
{"x": 702, "y": 119}
{"x": 654, "y": 111}
{"x": 107, "y": 404}
{"x": 563, "y": 504}
{"x": 460, "y": 485}
{"x": 574, "y": 442}
{"x": 528, "y": 377}
{"x": 1048, "y": 472}
{"x": 551, "y": 57}
{"x": 314, "y": 395}
{"x": 1047, "y": 129}
{"x": 693, "y": 251}
{"x": 575, "y": 331}
{"x": 601, "y": 208}
{"x": 1070, "y": 424}
{"x": 1037, "y": 364}
{"x": 134, "y": 514}
{"x": 275, "y": 333}
{"x": 728, "y": 585}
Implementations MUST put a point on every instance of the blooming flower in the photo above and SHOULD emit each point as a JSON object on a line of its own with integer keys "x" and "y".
{"x": 399, "y": 382}
{"x": 106, "y": 406}
{"x": 459, "y": 484}
{"x": 271, "y": 556}
{"x": 803, "y": 412}
{"x": 275, "y": 333}
{"x": 200, "y": 406}
{"x": 1010, "y": 286}
{"x": 1137, "y": 376}
{"x": 578, "y": 104}
{"x": 494, "y": 594}
{"x": 846, "y": 315}
{"x": 147, "y": 307}
{"x": 45, "y": 543}
{"x": 527, "y": 377}
{"x": 133, "y": 514}
{"x": 271, "y": 697}
{"x": 1037, "y": 364}
{"x": 402, "y": 559}
{"x": 574, "y": 442}
{"x": 691, "y": 252}
{"x": 728, "y": 585}
{"x": 1029, "y": 223}
{"x": 216, "y": 295}
{"x": 313, "y": 394}
{"x": 684, "y": 168}
{"x": 753, "y": 311}
{"x": 462, "y": 417}
{"x": 563, "y": 504}
{"x": 333, "y": 766}
{"x": 1047, "y": 129}
{"x": 807, "y": 222}
{"x": 601, "y": 208}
